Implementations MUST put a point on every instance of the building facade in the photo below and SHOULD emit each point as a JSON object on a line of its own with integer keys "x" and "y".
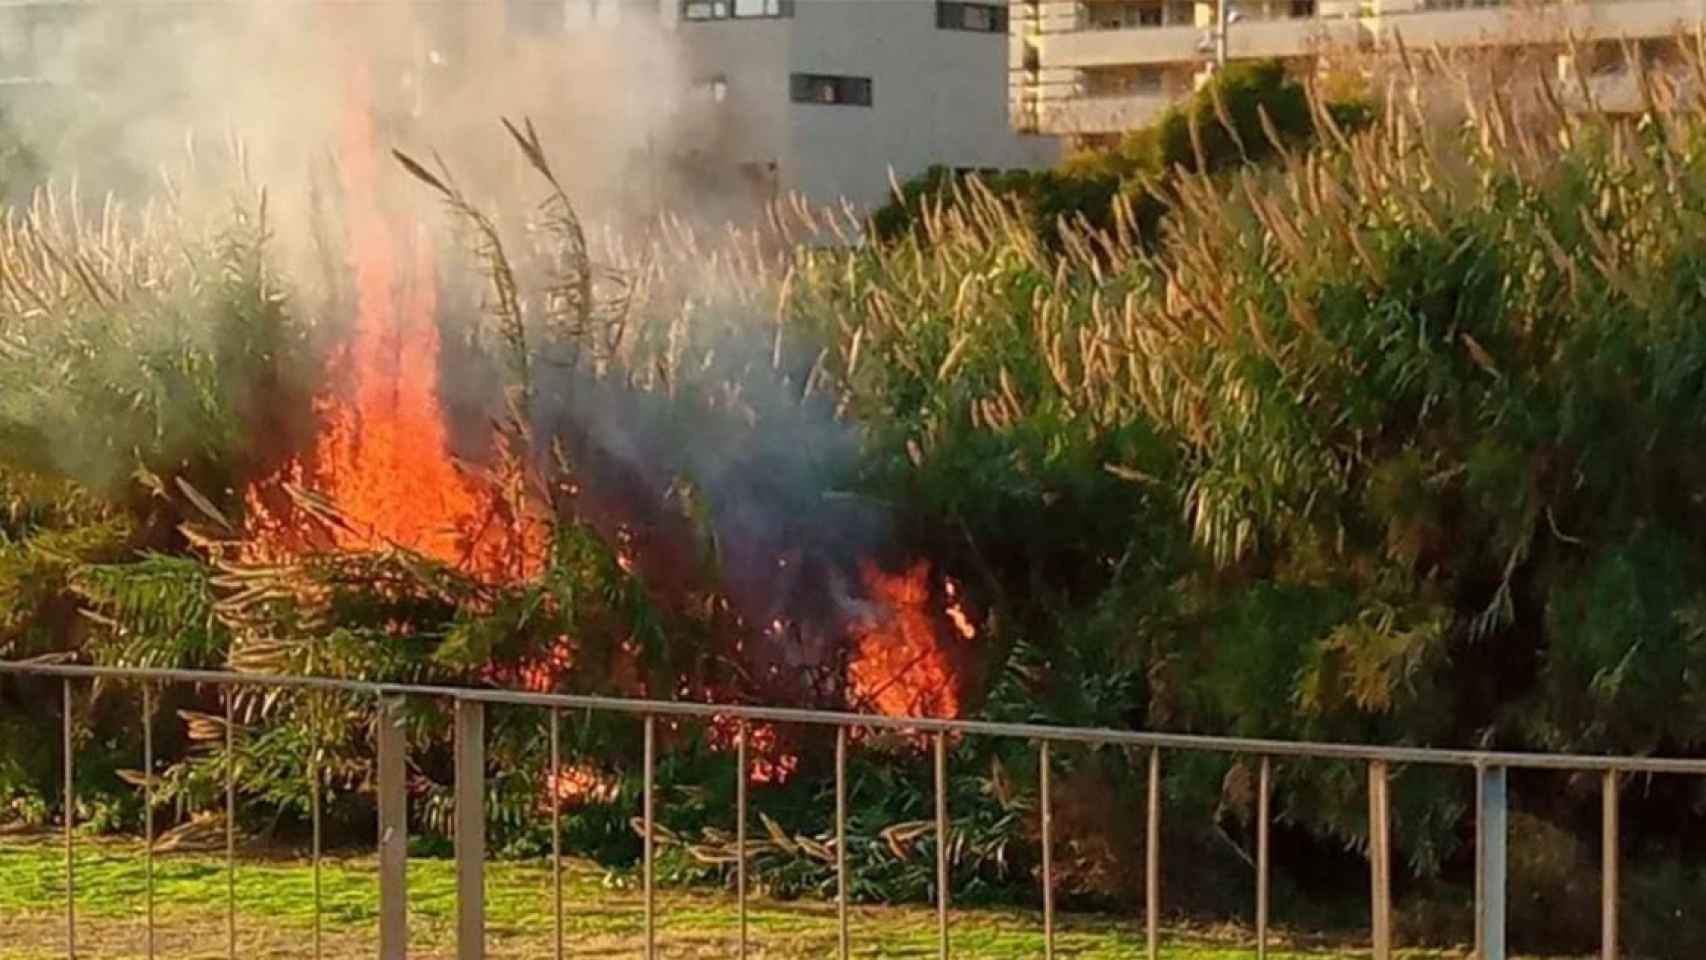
{"x": 838, "y": 95}
{"x": 1090, "y": 69}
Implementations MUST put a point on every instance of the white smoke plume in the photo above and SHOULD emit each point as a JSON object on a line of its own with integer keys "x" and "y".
{"x": 112, "y": 94}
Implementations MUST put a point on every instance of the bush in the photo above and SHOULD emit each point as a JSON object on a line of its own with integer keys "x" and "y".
{"x": 1227, "y": 114}
{"x": 1553, "y": 897}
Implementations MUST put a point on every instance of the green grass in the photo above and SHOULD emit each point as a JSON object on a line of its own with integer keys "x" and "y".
{"x": 276, "y": 911}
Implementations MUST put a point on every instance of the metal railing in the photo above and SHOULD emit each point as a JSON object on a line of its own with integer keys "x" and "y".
{"x": 1490, "y": 769}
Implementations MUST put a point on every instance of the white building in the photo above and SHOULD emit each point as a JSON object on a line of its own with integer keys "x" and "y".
{"x": 837, "y": 93}
{"x": 1091, "y": 69}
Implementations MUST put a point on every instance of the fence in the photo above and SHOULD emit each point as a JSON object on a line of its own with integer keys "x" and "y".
{"x": 1490, "y": 769}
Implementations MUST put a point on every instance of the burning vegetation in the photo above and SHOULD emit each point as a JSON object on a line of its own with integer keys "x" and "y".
{"x": 381, "y": 467}
{"x": 778, "y": 617}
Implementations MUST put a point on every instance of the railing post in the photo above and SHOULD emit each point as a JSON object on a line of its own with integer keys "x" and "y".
{"x": 1046, "y": 805}
{"x": 1152, "y": 859}
{"x": 470, "y": 823}
{"x": 741, "y": 778}
{"x": 841, "y": 842}
{"x": 1480, "y": 870}
{"x": 392, "y": 748}
{"x": 148, "y": 814}
{"x": 1380, "y": 859}
{"x": 1491, "y": 826}
{"x": 317, "y": 718}
{"x": 1609, "y": 866}
{"x": 230, "y": 822}
{"x": 650, "y": 819}
{"x": 943, "y": 876}
{"x": 1265, "y": 786}
{"x": 556, "y": 834}
{"x": 70, "y": 825}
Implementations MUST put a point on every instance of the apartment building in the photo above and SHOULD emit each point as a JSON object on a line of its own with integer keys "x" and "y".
{"x": 836, "y": 94}
{"x": 1090, "y": 69}
{"x": 832, "y": 99}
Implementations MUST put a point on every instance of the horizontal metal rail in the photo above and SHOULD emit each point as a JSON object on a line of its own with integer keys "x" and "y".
{"x": 979, "y": 728}
{"x": 1490, "y": 768}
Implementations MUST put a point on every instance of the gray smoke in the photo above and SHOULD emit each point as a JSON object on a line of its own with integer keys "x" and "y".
{"x": 113, "y": 93}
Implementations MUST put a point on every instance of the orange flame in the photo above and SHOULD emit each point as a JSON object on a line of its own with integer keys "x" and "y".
{"x": 767, "y": 762}
{"x": 579, "y": 785}
{"x": 535, "y": 675}
{"x": 382, "y": 456}
{"x": 901, "y": 666}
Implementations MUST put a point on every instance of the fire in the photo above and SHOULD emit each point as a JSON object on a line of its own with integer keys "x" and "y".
{"x": 538, "y": 674}
{"x": 383, "y": 460}
{"x": 767, "y": 762}
{"x": 901, "y": 665}
{"x": 580, "y": 785}
{"x": 382, "y": 456}
{"x": 956, "y": 612}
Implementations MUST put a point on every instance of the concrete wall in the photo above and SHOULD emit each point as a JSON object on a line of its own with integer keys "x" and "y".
{"x": 750, "y": 58}
{"x": 938, "y": 96}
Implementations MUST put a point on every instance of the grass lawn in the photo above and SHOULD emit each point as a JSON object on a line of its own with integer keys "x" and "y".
{"x": 275, "y": 915}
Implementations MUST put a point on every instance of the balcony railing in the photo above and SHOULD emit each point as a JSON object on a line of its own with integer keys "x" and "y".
{"x": 1093, "y": 113}
{"x": 1490, "y": 769}
{"x": 1105, "y": 37}
{"x": 1425, "y": 23}
{"x": 1276, "y": 37}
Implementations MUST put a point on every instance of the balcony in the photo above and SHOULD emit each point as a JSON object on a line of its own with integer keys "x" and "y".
{"x": 1449, "y": 23}
{"x": 1291, "y": 37}
{"x": 1110, "y": 48}
{"x": 1090, "y": 115}
{"x": 1287, "y": 37}
{"x": 1635, "y": 18}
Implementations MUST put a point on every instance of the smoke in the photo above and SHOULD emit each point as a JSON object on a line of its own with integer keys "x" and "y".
{"x": 706, "y": 441}
{"x": 754, "y": 477}
{"x": 184, "y": 111}
{"x": 132, "y": 94}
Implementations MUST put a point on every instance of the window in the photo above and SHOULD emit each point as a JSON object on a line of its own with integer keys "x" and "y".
{"x": 1302, "y": 8}
{"x": 736, "y": 9}
{"x": 976, "y": 17}
{"x": 826, "y": 89}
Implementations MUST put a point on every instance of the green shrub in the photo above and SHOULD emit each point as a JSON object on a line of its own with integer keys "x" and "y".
{"x": 1228, "y": 118}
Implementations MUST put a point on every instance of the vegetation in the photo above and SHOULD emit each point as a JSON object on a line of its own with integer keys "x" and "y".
{"x": 1245, "y": 115}
{"x": 1393, "y": 438}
